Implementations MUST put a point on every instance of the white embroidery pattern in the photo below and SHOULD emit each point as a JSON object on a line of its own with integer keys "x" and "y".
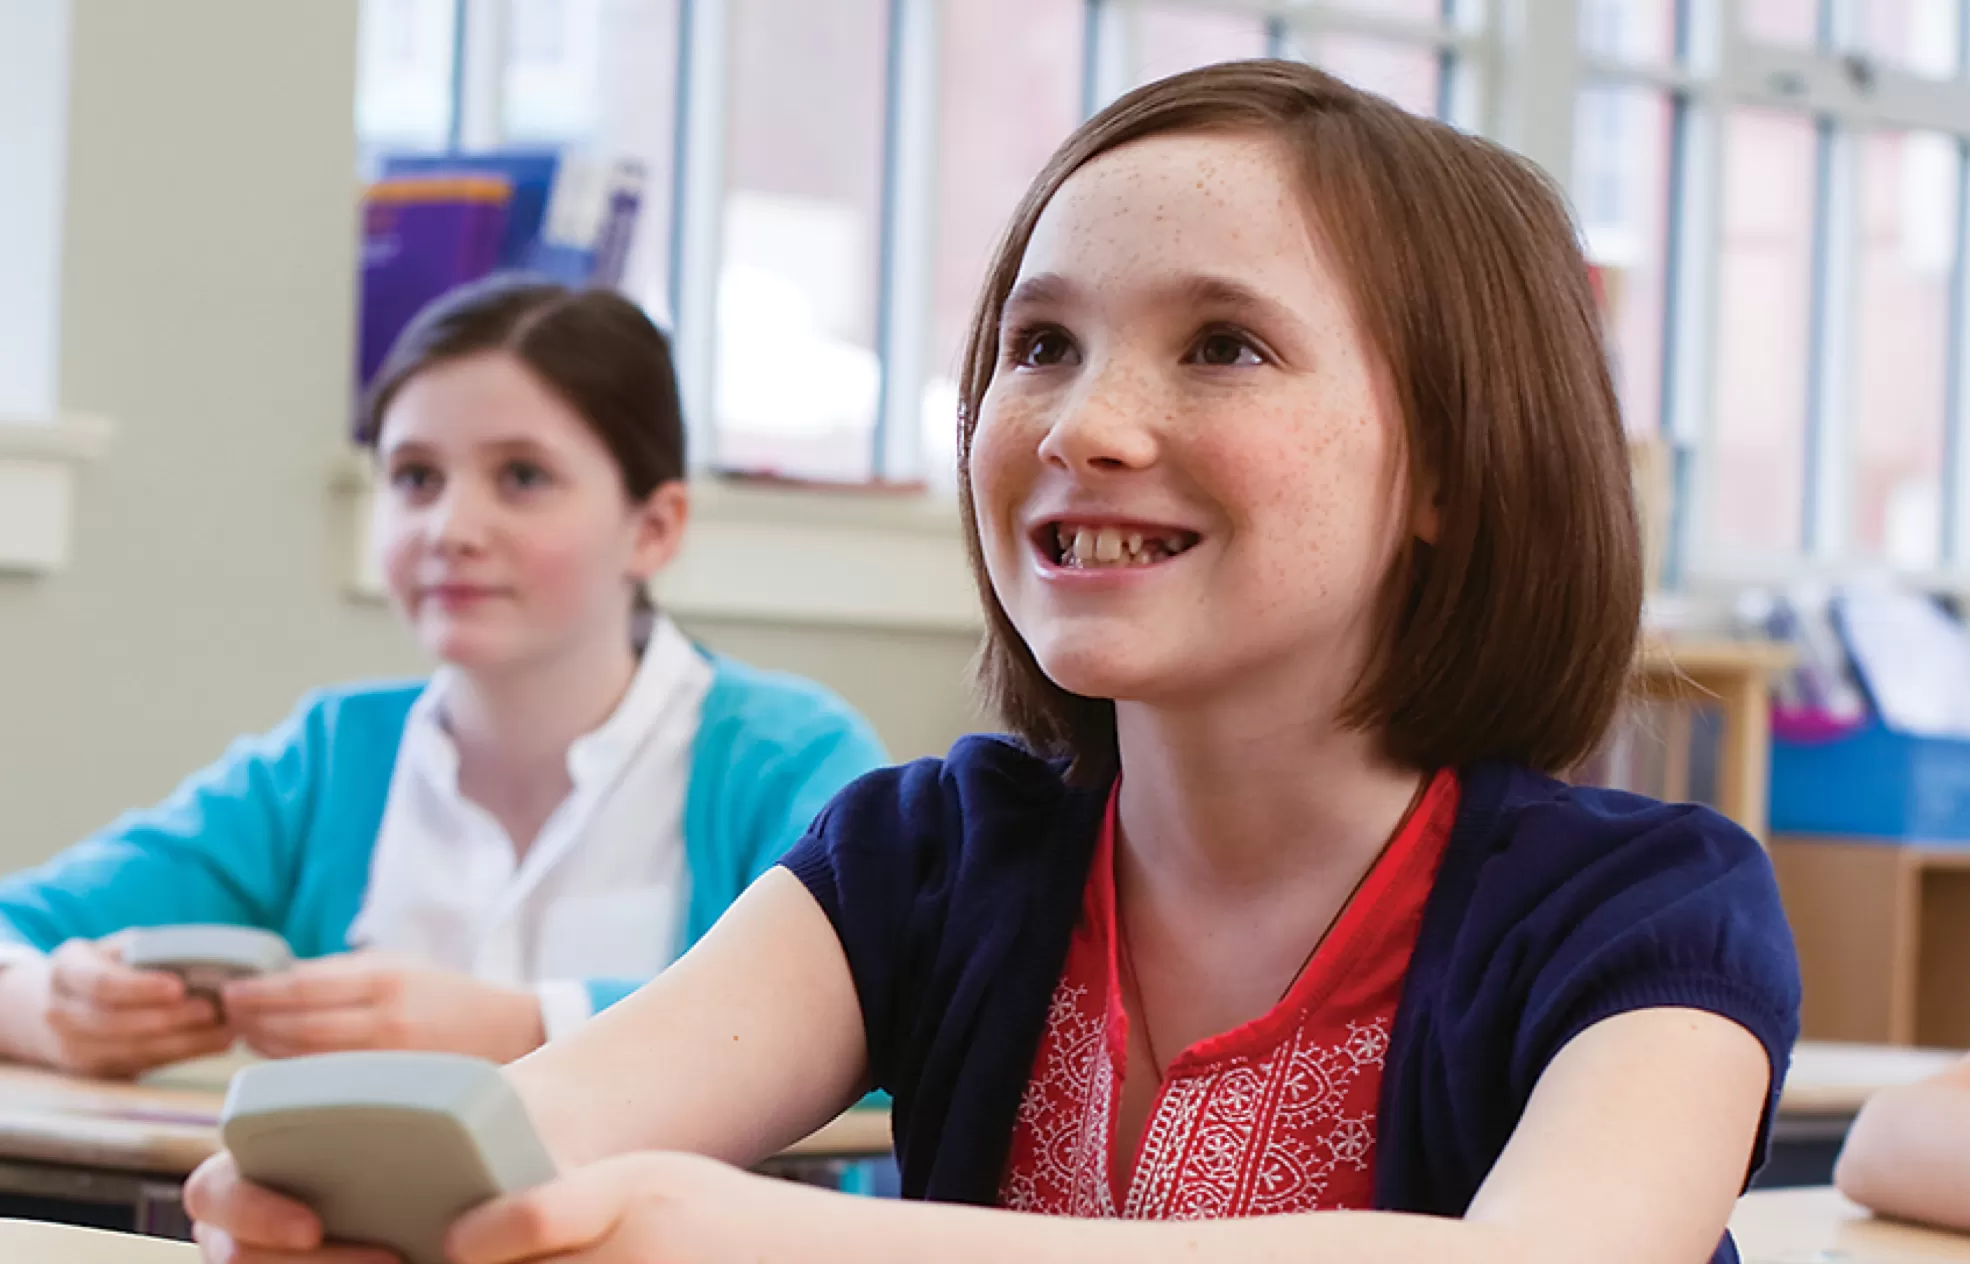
{"x": 1076, "y": 1077}
{"x": 1245, "y": 1137}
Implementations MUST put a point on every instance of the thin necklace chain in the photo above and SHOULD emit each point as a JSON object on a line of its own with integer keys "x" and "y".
{"x": 1133, "y": 981}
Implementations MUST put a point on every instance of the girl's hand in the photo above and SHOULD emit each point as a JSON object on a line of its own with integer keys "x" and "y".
{"x": 644, "y": 1209}
{"x": 235, "y": 1222}
{"x": 83, "y": 1010}
{"x": 371, "y": 1000}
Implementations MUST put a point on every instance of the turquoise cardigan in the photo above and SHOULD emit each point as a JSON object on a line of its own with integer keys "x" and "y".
{"x": 278, "y": 833}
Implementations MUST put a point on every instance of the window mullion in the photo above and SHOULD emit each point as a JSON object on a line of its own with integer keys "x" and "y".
{"x": 1109, "y": 64}
{"x": 479, "y": 99}
{"x": 1690, "y": 380}
{"x": 697, "y": 212}
{"x": 909, "y": 213}
{"x": 1956, "y": 413}
{"x": 1830, "y": 440}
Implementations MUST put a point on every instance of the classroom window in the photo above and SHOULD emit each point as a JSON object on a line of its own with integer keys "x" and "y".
{"x": 404, "y": 73}
{"x": 1781, "y": 287}
{"x": 1782, "y": 21}
{"x": 1641, "y": 31}
{"x": 798, "y": 379}
{"x": 1409, "y": 10}
{"x": 1408, "y": 74}
{"x": 1907, "y": 255}
{"x": 1170, "y": 38}
{"x": 636, "y": 118}
{"x": 1765, "y": 303}
{"x": 553, "y": 74}
{"x": 1009, "y": 92}
{"x": 1623, "y": 141}
{"x": 1920, "y": 36}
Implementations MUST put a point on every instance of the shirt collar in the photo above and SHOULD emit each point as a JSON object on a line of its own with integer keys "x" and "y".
{"x": 671, "y": 673}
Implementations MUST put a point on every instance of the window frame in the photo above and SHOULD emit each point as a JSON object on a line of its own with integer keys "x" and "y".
{"x": 1512, "y": 70}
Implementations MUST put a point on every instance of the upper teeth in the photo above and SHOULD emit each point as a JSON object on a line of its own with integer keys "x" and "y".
{"x": 1113, "y": 546}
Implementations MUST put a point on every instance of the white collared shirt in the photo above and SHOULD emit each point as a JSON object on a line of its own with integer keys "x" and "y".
{"x": 601, "y": 892}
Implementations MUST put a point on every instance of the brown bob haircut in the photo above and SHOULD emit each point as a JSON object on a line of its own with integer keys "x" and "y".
{"x": 1512, "y": 636}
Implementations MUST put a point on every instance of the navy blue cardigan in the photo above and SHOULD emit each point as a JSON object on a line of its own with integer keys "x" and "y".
{"x": 955, "y": 884}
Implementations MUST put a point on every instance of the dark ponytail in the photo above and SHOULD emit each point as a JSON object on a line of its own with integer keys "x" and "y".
{"x": 593, "y": 348}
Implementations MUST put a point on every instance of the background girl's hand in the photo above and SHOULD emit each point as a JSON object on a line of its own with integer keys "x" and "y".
{"x": 236, "y": 1222}
{"x": 370, "y": 1000}
{"x": 644, "y": 1209}
{"x": 83, "y": 1010}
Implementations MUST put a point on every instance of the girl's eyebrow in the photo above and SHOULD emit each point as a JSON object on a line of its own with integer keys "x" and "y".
{"x": 1185, "y": 292}
{"x": 1043, "y": 289}
{"x": 513, "y": 445}
{"x": 404, "y": 447}
{"x": 1224, "y": 294}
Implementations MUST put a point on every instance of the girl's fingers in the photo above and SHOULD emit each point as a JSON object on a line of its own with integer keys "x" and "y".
{"x": 286, "y": 1034}
{"x": 332, "y": 983}
{"x": 218, "y": 1247}
{"x": 558, "y": 1217}
{"x": 79, "y": 1017}
{"x": 225, "y": 1203}
{"x": 87, "y": 972}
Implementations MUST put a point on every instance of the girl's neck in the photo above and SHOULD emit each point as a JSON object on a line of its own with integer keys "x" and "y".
{"x": 517, "y": 725}
{"x": 1218, "y": 803}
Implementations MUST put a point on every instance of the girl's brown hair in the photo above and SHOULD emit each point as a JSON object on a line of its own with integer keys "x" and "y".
{"x": 594, "y": 349}
{"x": 1512, "y": 635}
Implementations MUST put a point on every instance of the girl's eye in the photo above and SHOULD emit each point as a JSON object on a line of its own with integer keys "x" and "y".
{"x": 1223, "y": 349}
{"x": 1042, "y": 349}
{"x": 414, "y": 479}
{"x": 524, "y": 476}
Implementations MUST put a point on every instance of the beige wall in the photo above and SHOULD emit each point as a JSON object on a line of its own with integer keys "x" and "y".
{"x": 207, "y": 282}
{"x": 913, "y": 686}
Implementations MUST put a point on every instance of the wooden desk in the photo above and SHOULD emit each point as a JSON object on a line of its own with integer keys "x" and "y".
{"x": 67, "y": 1140}
{"x": 1807, "y": 1226}
{"x": 1736, "y": 676}
{"x": 30, "y": 1240}
{"x": 1825, "y": 1090}
{"x": 1836, "y": 1079}
{"x": 170, "y": 1128}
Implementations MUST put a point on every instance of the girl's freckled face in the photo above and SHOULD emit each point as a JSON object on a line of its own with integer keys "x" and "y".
{"x": 1180, "y": 353}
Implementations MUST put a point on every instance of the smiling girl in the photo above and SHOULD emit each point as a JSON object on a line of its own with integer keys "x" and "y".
{"x": 1298, "y": 501}
{"x": 570, "y": 801}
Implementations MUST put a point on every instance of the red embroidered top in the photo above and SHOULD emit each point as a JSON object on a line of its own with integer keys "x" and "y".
{"x": 1275, "y": 1116}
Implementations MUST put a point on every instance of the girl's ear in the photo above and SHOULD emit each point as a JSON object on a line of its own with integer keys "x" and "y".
{"x": 660, "y": 522}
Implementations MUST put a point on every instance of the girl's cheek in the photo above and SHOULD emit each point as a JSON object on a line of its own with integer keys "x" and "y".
{"x": 398, "y": 554}
{"x": 562, "y": 567}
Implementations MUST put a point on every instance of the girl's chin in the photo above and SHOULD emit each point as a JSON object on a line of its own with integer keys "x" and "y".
{"x": 1097, "y": 672}
{"x": 468, "y": 649}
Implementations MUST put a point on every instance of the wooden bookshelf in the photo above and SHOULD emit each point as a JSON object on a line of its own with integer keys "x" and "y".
{"x": 1884, "y": 938}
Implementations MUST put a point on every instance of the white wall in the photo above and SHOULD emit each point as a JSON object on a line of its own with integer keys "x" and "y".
{"x": 207, "y": 297}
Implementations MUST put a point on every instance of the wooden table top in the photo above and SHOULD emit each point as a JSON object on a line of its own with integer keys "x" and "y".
{"x": 168, "y": 1124}
{"x": 1788, "y": 1226}
{"x": 1834, "y": 1079}
{"x": 1710, "y": 656}
{"x": 65, "y": 1244}
{"x": 1818, "y": 1226}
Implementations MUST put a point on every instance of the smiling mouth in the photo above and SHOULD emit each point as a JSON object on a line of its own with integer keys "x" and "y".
{"x": 1075, "y": 546}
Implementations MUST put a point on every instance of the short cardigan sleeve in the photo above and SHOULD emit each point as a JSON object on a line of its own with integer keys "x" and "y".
{"x": 953, "y": 885}
{"x": 875, "y": 860}
{"x": 1685, "y": 914}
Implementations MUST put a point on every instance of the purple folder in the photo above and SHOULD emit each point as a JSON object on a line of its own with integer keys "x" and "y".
{"x": 422, "y": 237}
